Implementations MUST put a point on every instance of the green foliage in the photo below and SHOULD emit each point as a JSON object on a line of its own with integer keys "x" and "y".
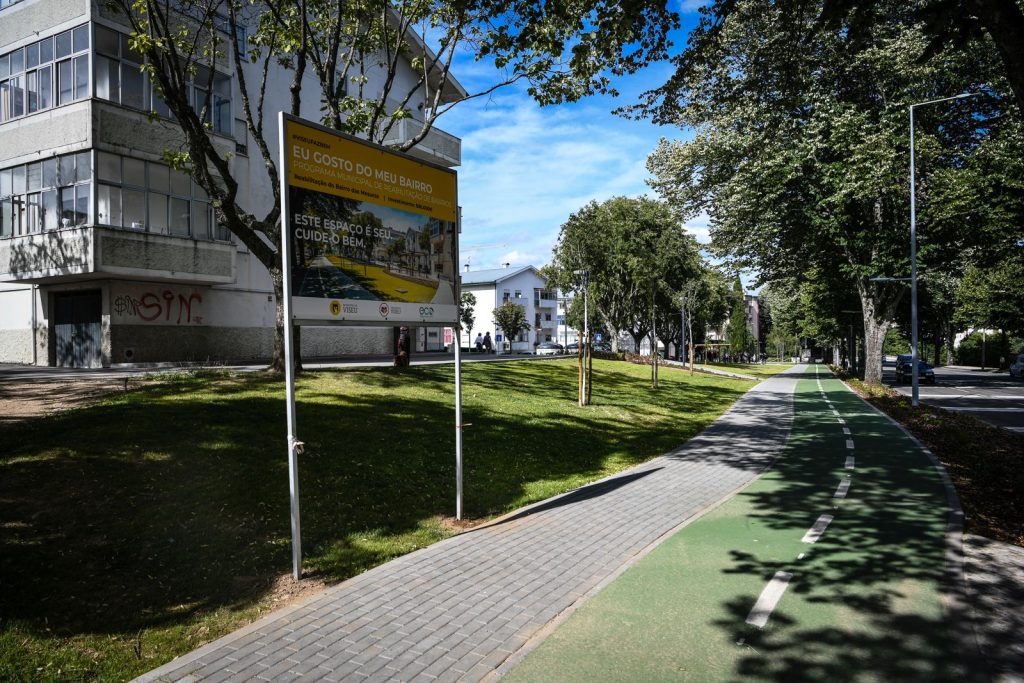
{"x": 634, "y": 250}
{"x": 739, "y": 335}
{"x": 511, "y": 319}
{"x": 467, "y": 302}
{"x": 994, "y": 296}
{"x": 801, "y": 146}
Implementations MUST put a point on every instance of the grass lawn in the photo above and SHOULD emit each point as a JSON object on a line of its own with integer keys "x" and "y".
{"x": 134, "y": 530}
{"x": 752, "y": 369}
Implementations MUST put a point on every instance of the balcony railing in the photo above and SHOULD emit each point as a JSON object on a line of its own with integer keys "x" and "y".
{"x": 73, "y": 253}
{"x": 437, "y": 146}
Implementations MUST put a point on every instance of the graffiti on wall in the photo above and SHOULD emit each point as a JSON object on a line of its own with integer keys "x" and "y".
{"x": 161, "y": 306}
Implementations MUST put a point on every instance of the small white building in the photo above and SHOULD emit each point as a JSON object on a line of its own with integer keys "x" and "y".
{"x": 523, "y": 286}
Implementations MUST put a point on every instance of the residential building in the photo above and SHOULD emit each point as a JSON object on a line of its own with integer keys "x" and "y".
{"x": 109, "y": 256}
{"x": 522, "y": 286}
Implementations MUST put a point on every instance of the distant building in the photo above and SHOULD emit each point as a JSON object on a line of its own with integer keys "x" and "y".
{"x": 523, "y": 286}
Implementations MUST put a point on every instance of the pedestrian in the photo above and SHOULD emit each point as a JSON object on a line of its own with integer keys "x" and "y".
{"x": 487, "y": 342}
{"x": 479, "y": 343}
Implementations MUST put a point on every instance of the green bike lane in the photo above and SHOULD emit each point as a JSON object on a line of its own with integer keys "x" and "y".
{"x": 839, "y": 545}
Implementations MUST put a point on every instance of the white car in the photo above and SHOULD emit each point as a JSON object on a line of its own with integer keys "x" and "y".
{"x": 549, "y": 349}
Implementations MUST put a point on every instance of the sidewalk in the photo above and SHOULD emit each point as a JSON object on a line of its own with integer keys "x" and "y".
{"x": 462, "y": 608}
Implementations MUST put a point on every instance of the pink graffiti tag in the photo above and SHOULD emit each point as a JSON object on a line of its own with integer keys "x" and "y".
{"x": 149, "y": 306}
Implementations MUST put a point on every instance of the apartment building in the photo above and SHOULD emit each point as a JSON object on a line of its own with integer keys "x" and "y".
{"x": 523, "y": 286}
{"x": 107, "y": 255}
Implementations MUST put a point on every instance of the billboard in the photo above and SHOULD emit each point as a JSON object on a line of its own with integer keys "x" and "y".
{"x": 373, "y": 232}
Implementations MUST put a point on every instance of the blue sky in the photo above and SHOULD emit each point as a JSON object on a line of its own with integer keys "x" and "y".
{"x": 526, "y": 168}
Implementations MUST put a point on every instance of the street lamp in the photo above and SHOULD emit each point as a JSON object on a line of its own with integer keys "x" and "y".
{"x": 913, "y": 248}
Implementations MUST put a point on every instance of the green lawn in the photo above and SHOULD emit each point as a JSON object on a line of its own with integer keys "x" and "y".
{"x": 134, "y": 530}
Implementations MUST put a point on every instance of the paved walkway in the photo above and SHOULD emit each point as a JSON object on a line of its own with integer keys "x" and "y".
{"x": 460, "y": 609}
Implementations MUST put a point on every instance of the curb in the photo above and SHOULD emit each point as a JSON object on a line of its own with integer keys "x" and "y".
{"x": 954, "y": 596}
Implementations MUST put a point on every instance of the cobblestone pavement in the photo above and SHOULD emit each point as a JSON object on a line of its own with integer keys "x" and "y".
{"x": 460, "y": 609}
{"x": 995, "y": 580}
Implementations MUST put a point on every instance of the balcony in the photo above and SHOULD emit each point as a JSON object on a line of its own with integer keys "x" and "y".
{"x": 88, "y": 252}
{"x": 438, "y": 146}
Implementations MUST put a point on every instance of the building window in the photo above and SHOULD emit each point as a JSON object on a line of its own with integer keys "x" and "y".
{"x": 519, "y": 294}
{"x": 45, "y": 195}
{"x": 144, "y": 195}
{"x": 32, "y": 75}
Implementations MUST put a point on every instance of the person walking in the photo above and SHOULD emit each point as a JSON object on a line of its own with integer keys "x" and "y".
{"x": 487, "y": 342}
{"x": 479, "y": 343}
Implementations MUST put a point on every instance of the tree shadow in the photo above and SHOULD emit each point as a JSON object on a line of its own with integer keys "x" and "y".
{"x": 171, "y": 502}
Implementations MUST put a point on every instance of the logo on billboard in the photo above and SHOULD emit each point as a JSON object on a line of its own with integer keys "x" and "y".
{"x": 350, "y": 308}
{"x": 335, "y": 308}
{"x": 426, "y": 311}
{"x": 384, "y": 309}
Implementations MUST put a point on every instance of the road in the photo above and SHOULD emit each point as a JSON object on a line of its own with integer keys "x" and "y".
{"x": 994, "y": 397}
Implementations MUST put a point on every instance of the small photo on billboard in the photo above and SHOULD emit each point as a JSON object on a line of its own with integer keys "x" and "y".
{"x": 348, "y": 249}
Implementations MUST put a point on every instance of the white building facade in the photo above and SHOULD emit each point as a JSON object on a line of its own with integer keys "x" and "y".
{"x": 522, "y": 286}
{"x": 107, "y": 255}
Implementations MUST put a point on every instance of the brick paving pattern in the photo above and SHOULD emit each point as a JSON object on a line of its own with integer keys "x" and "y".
{"x": 461, "y": 608}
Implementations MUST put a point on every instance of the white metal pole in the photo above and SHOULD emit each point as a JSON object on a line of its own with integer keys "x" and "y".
{"x": 458, "y": 419}
{"x": 913, "y": 271}
{"x": 586, "y": 334}
{"x": 294, "y": 446}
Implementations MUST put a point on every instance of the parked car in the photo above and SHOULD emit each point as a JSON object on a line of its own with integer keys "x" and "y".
{"x": 549, "y": 349}
{"x": 903, "y": 359}
{"x": 1017, "y": 369}
{"x": 603, "y": 347}
{"x": 925, "y": 373}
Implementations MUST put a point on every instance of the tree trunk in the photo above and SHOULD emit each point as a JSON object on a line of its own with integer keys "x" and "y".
{"x": 1004, "y": 21}
{"x": 877, "y": 320}
{"x": 277, "y": 359}
{"x": 277, "y": 355}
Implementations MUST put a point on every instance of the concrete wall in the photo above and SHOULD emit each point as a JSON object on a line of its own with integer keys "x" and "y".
{"x": 23, "y": 22}
{"x": 64, "y": 129}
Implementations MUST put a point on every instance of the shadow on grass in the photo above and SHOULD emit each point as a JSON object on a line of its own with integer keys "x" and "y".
{"x": 166, "y": 504}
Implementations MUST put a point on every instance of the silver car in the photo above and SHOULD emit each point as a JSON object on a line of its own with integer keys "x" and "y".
{"x": 1017, "y": 369}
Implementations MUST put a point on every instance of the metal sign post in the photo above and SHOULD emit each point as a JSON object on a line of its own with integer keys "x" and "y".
{"x": 344, "y": 203}
{"x": 294, "y": 446}
{"x": 458, "y": 420}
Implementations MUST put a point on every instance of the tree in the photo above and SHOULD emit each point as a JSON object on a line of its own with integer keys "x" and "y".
{"x": 369, "y": 71}
{"x": 994, "y": 297}
{"x": 633, "y": 249}
{"x": 740, "y": 337}
{"x": 801, "y": 145}
{"x": 511, "y": 319}
{"x": 467, "y": 302}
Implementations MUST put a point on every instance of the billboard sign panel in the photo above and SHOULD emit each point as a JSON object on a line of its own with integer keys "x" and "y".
{"x": 373, "y": 232}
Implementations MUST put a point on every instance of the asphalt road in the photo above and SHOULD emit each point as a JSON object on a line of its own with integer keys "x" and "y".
{"x": 994, "y": 397}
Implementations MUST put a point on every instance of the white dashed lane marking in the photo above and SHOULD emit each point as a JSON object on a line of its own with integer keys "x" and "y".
{"x": 769, "y": 598}
{"x": 849, "y": 462}
{"x": 815, "y": 532}
{"x": 849, "y": 444}
{"x": 844, "y": 488}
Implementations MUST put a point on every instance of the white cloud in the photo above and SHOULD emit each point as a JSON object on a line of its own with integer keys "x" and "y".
{"x": 526, "y": 169}
{"x": 691, "y": 6}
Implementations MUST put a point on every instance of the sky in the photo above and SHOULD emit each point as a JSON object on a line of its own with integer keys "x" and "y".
{"x": 526, "y": 168}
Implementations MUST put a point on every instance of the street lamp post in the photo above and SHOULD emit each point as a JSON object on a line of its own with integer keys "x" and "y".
{"x": 913, "y": 250}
